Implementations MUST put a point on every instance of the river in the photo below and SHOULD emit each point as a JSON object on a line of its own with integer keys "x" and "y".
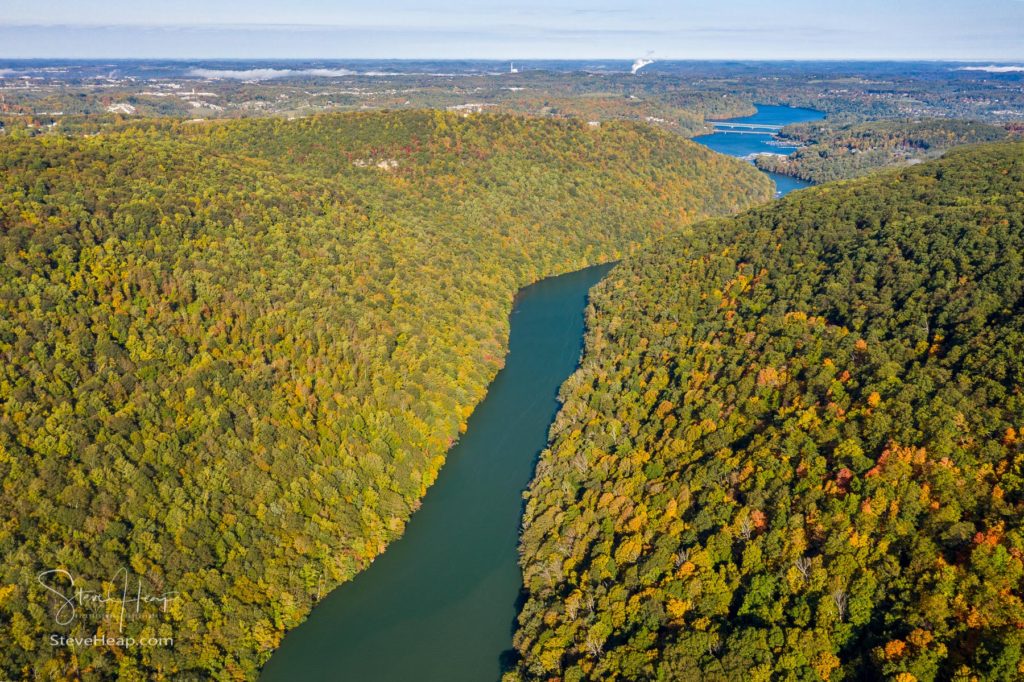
{"x": 440, "y": 603}
{"x": 745, "y": 144}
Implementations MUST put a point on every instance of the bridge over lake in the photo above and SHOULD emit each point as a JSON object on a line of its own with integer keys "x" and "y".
{"x": 736, "y": 127}
{"x": 744, "y": 132}
{"x": 745, "y": 128}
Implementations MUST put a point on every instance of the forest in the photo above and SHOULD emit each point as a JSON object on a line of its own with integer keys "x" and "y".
{"x": 828, "y": 151}
{"x": 794, "y": 448}
{"x": 234, "y": 354}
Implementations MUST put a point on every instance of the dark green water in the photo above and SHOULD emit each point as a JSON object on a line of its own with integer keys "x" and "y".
{"x": 440, "y": 603}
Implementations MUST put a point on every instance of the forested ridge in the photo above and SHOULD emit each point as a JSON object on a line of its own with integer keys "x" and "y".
{"x": 793, "y": 450}
{"x": 234, "y": 354}
{"x": 839, "y": 152}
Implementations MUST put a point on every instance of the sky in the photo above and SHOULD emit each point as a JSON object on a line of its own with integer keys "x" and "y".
{"x": 976, "y": 30}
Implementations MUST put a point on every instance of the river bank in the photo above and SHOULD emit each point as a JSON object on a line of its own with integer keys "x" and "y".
{"x": 440, "y": 603}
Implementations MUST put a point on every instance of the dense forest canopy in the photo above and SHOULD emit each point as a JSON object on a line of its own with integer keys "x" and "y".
{"x": 234, "y": 354}
{"x": 793, "y": 449}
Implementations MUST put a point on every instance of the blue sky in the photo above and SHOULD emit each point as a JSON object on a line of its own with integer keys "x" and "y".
{"x": 679, "y": 29}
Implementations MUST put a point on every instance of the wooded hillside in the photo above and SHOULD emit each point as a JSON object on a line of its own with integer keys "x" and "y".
{"x": 840, "y": 152}
{"x": 234, "y": 354}
{"x": 793, "y": 449}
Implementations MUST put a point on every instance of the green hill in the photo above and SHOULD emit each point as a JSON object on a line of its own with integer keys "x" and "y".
{"x": 793, "y": 449}
{"x": 234, "y": 354}
{"x": 840, "y": 152}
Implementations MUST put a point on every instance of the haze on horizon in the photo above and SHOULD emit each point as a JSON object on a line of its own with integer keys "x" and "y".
{"x": 567, "y": 29}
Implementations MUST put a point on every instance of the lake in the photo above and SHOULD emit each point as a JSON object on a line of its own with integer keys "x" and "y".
{"x": 440, "y": 604}
{"x": 743, "y": 144}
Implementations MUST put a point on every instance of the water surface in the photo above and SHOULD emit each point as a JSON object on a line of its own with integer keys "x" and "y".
{"x": 744, "y": 144}
{"x": 439, "y": 604}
